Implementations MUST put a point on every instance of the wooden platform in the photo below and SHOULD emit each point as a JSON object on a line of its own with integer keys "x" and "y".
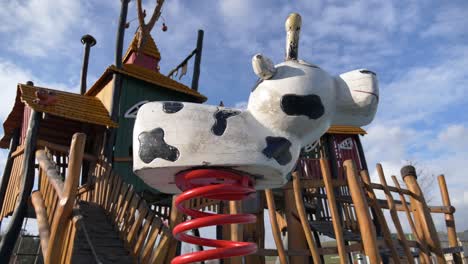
{"x": 108, "y": 247}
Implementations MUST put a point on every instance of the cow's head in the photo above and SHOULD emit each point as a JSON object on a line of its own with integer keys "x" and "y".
{"x": 302, "y": 100}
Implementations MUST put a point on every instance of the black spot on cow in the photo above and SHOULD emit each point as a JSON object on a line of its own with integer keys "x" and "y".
{"x": 308, "y": 105}
{"x": 153, "y": 146}
{"x": 278, "y": 149}
{"x": 172, "y": 107}
{"x": 221, "y": 117}
{"x": 368, "y": 72}
{"x": 257, "y": 83}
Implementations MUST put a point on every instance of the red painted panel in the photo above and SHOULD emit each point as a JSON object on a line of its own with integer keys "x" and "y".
{"x": 344, "y": 147}
{"x": 24, "y": 126}
{"x": 143, "y": 61}
{"x": 310, "y": 168}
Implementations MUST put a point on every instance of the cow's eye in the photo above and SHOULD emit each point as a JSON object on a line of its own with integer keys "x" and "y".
{"x": 367, "y": 72}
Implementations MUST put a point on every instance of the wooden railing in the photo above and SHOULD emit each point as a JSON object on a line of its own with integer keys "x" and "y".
{"x": 14, "y": 183}
{"x": 145, "y": 235}
{"x": 418, "y": 213}
{"x": 55, "y": 200}
{"x": 347, "y": 205}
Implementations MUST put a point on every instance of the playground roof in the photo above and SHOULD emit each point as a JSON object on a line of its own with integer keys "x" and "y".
{"x": 86, "y": 109}
{"x": 346, "y": 130}
{"x": 149, "y": 47}
{"x": 146, "y": 75}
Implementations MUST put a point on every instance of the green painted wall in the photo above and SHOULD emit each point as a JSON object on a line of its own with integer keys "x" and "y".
{"x": 134, "y": 91}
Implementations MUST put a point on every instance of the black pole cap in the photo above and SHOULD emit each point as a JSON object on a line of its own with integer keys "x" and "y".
{"x": 30, "y": 83}
{"x": 408, "y": 171}
{"x": 88, "y": 39}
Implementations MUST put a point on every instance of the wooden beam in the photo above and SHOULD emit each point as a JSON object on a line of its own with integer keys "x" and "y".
{"x": 53, "y": 176}
{"x": 380, "y": 216}
{"x": 274, "y": 226}
{"x": 296, "y": 236}
{"x": 368, "y": 234}
{"x": 255, "y": 232}
{"x": 394, "y": 216}
{"x": 422, "y": 214}
{"x": 425, "y": 254}
{"x": 236, "y": 230}
{"x": 449, "y": 219}
{"x": 313, "y": 183}
{"x": 64, "y": 149}
{"x": 27, "y": 173}
{"x": 337, "y": 228}
{"x": 42, "y": 221}
{"x": 304, "y": 221}
{"x": 63, "y": 212}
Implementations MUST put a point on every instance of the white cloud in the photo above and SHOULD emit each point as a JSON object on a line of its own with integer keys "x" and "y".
{"x": 37, "y": 27}
{"x": 420, "y": 91}
{"x": 453, "y": 138}
{"x": 449, "y": 22}
{"x": 444, "y": 152}
{"x": 11, "y": 74}
{"x": 387, "y": 143}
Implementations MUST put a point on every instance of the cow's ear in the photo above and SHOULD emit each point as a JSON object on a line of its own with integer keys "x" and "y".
{"x": 263, "y": 67}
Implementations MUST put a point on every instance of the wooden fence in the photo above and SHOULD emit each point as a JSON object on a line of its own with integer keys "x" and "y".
{"x": 145, "y": 235}
{"x": 54, "y": 203}
{"x": 14, "y": 183}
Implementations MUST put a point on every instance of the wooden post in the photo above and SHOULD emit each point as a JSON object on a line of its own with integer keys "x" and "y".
{"x": 42, "y": 222}
{"x": 67, "y": 200}
{"x": 236, "y": 233}
{"x": 423, "y": 216}
{"x": 14, "y": 226}
{"x": 369, "y": 237}
{"x": 425, "y": 254}
{"x": 8, "y": 167}
{"x": 196, "y": 65}
{"x": 175, "y": 219}
{"x": 394, "y": 215}
{"x": 255, "y": 232}
{"x": 274, "y": 226}
{"x": 449, "y": 219}
{"x": 305, "y": 222}
{"x": 337, "y": 228}
{"x": 296, "y": 236}
{"x": 380, "y": 216}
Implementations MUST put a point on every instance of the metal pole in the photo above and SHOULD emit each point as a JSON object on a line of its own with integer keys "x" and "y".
{"x": 117, "y": 80}
{"x": 14, "y": 226}
{"x": 196, "y": 67}
{"x": 88, "y": 41}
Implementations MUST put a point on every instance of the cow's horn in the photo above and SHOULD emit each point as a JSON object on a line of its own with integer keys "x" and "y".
{"x": 293, "y": 28}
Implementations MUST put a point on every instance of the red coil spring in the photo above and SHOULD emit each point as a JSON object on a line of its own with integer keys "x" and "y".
{"x": 216, "y": 184}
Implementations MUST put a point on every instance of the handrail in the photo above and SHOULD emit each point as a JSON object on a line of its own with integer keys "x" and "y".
{"x": 55, "y": 201}
{"x": 64, "y": 149}
{"x": 18, "y": 151}
{"x": 66, "y": 203}
{"x": 42, "y": 221}
{"x": 140, "y": 227}
{"x": 49, "y": 168}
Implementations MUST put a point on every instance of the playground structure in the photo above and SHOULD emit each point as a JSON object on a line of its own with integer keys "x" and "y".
{"x": 91, "y": 207}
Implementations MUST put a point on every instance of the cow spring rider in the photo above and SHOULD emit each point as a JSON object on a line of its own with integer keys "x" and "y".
{"x": 225, "y": 154}
{"x": 293, "y": 104}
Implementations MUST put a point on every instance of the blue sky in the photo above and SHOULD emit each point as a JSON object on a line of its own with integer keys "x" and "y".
{"x": 419, "y": 50}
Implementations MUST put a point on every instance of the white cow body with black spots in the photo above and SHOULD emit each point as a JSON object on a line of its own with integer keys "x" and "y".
{"x": 293, "y": 104}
